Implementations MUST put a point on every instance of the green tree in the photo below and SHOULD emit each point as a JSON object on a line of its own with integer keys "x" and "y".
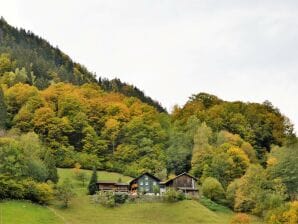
{"x": 92, "y": 187}
{"x": 212, "y": 189}
{"x": 282, "y": 163}
{"x": 202, "y": 150}
{"x": 51, "y": 167}
{"x": 64, "y": 192}
{"x": 3, "y": 110}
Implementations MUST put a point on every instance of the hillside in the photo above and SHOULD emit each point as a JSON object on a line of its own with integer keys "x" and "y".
{"x": 44, "y": 64}
{"x": 83, "y": 211}
{"x": 55, "y": 114}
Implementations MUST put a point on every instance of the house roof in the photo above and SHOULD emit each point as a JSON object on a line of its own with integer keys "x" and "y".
{"x": 165, "y": 182}
{"x": 146, "y": 173}
{"x": 112, "y": 182}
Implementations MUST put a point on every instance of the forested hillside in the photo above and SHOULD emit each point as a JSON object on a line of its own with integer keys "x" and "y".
{"x": 54, "y": 113}
{"x": 36, "y": 62}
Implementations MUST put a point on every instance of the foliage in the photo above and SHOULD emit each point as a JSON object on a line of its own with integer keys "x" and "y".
{"x": 51, "y": 167}
{"x": 105, "y": 198}
{"x": 171, "y": 195}
{"x": 120, "y": 198}
{"x": 3, "y": 110}
{"x": 257, "y": 193}
{"x": 213, "y": 206}
{"x": 25, "y": 189}
{"x": 212, "y": 189}
{"x": 285, "y": 214}
{"x": 282, "y": 163}
{"x": 27, "y": 58}
{"x": 85, "y": 125}
{"x": 92, "y": 187}
{"x": 240, "y": 218}
{"x": 259, "y": 124}
{"x": 64, "y": 192}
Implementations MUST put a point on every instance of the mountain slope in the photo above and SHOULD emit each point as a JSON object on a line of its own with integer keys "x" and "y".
{"x": 44, "y": 64}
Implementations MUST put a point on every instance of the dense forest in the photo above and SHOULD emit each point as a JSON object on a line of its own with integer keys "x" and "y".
{"x": 44, "y": 64}
{"x": 54, "y": 113}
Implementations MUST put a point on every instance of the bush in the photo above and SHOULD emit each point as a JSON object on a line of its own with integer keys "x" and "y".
{"x": 212, "y": 205}
{"x": 110, "y": 199}
{"x": 105, "y": 198}
{"x": 287, "y": 214}
{"x": 120, "y": 198}
{"x": 42, "y": 193}
{"x": 171, "y": 195}
{"x": 231, "y": 192}
{"x": 64, "y": 192}
{"x": 240, "y": 218}
{"x": 213, "y": 189}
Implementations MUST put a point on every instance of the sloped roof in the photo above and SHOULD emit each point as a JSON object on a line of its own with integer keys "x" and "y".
{"x": 112, "y": 182}
{"x": 146, "y": 173}
{"x": 165, "y": 182}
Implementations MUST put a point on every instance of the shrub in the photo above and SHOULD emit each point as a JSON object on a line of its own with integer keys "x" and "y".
{"x": 213, "y": 189}
{"x": 171, "y": 195}
{"x": 105, "y": 198}
{"x": 26, "y": 189}
{"x": 120, "y": 198}
{"x": 43, "y": 193}
{"x": 240, "y": 218}
{"x": 231, "y": 192}
{"x": 64, "y": 192}
{"x": 287, "y": 214}
{"x": 212, "y": 205}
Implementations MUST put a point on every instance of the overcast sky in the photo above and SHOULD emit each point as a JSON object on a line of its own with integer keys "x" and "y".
{"x": 237, "y": 50}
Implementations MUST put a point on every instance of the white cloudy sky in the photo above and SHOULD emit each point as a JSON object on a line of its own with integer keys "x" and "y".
{"x": 238, "y": 50}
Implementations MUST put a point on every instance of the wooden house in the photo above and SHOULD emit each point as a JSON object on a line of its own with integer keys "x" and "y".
{"x": 184, "y": 182}
{"x": 112, "y": 186}
{"x": 145, "y": 183}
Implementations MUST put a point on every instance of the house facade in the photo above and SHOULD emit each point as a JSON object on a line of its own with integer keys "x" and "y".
{"x": 149, "y": 184}
{"x": 183, "y": 182}
{"x": 145, "y": 183}
{"x": 112, "y": 186}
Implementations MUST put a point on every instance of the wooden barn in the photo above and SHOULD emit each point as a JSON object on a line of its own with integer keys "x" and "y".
{"x": 184, "y": 182}
{"x": 144, "y": 183}
{"x": 112, "y": 186}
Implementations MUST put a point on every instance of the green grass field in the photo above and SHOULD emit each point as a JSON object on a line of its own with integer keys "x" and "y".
{"x": 20, "y": 212}
{"x": 83, "y": 211}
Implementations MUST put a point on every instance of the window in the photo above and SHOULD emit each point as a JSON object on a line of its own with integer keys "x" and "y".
{"x": 147, "y": 183}
{"x": 146, "y": 178}
{"x": 147, "y": 189}
{"x": 141, "y": 183}
{"x": 154, "y": 183}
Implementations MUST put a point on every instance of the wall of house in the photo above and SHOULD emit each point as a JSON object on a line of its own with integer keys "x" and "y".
{"x": 184, "y": 181}
{"x": 146, "y": 184}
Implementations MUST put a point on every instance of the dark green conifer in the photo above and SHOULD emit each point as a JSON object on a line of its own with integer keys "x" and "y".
{"x": 92, "y": 187}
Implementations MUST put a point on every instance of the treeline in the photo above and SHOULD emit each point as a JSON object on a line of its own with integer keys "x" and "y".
{"x": 43, "y": 64}
{"x": 27, "y": 169}
{"x": 53, "y": 112}
{"x": 262, "y": 125}
{"x": 87, "y": 125}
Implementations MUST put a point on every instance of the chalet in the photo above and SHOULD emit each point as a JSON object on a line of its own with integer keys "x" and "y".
{"x": 183, "y": 182}
{"x": 112, "y": 186}
{"x": 145, "y": 183}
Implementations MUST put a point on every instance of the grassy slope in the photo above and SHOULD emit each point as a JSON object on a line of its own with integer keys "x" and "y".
{"x": 21, "y": 212}
{"x": 83, "y": 211}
